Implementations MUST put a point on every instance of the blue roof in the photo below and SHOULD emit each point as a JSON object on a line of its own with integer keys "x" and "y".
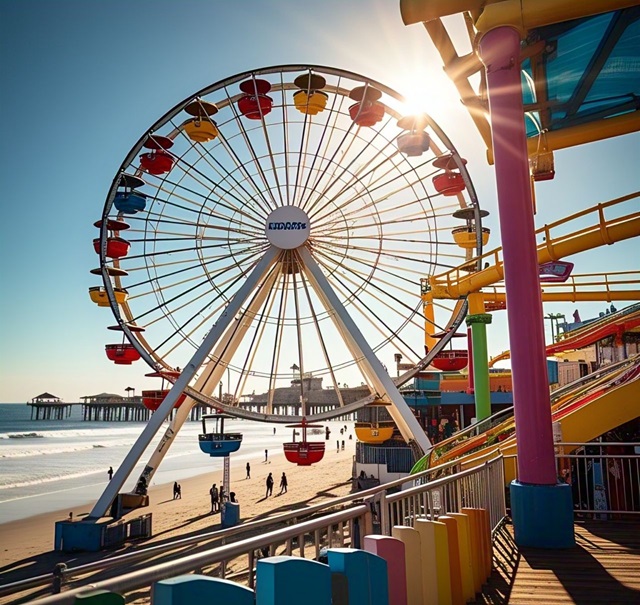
{"x": 586, "y": 70}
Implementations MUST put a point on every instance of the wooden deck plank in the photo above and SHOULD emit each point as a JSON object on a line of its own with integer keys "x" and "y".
{"x": 603, "y": 568}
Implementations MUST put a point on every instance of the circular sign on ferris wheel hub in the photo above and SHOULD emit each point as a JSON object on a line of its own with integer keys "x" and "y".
{"x": 287, "y": 227}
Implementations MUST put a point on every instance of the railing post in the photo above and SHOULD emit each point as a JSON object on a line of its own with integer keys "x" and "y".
{"x": 58, "y": 577}
{"x": 385, "y": 528}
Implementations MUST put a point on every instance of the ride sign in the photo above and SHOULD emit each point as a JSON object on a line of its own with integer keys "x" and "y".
{"x": 287, "y": 227}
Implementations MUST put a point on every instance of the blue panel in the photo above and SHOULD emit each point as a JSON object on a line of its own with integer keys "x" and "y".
{"x": 586, "y": 51}
{"x": 191, "y": 589}
{"x": 291, "y": 581}
{"x": 366, "y": 575}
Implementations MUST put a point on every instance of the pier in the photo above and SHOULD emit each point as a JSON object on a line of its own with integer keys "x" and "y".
{"x": 49, "y": 407}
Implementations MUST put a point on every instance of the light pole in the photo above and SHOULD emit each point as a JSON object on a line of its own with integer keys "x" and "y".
{"x": 397, "y": 358}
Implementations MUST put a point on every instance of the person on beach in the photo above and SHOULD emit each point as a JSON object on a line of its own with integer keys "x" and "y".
{"x": 179, "y": 492}
{"x": 176, "y": 489}
{"x": 215, "y": 503}
{"x": 343, "y": 444}
{"x": 274, "y": 430}
{"x": 248, "y": 471}
{"x": 232, "y": 497}
{"x": 337, "y": 446}
{"x": 269, "y": 485}
{"x": 266, "y": 455}
{"x": 283, "y": 484}
{"x": 110, "y": 472}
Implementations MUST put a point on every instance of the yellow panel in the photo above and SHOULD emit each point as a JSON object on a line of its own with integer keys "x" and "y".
{"x": 413, "y": 561}
{"x": 427, "y": 532}
{"x": 464, "y": 549}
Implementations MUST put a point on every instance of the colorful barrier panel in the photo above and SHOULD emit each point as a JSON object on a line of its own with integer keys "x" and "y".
{"x": 290, "y": 581}
{"x": 464, "y": 544}
{"x": 457, "y": 597}
{"x": 366, "y": 576}
{"x": 392, "y": 551}
{"x": 413, "y": 562}
{"x": 442, "y": 562}
{"x": 190, "y": 589}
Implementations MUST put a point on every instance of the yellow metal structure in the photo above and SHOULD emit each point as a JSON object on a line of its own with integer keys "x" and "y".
{"x": 457, "y": 283}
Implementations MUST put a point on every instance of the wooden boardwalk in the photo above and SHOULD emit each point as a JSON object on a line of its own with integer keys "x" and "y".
{"x": 603, "y": 568}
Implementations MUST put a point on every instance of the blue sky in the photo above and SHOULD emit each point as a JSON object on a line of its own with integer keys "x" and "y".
{"x": 81, "y": 81}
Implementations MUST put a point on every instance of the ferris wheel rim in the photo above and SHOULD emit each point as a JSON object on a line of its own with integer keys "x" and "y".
{"x": 158, "y": 363}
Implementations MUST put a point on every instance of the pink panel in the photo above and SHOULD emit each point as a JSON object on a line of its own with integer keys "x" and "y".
{"x": 392, "y": 551}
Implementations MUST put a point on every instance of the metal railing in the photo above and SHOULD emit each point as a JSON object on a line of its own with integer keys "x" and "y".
{"x": 372, "y": 510}
{"x": 605, "y": 478}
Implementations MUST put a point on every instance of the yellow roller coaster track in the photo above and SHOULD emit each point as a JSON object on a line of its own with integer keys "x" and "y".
{"x": 554, "y": 245}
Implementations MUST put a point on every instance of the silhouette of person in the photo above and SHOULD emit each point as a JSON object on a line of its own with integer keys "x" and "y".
{"x": 266, "y": 455}
{"x": 213, "y": 492}
{"x": 110, "y": 472}
{"x": 269, "y": 485}
{"x": 176, "y": 489}
{"x": 283, "y": 483}
{"x": 248, "y": 471}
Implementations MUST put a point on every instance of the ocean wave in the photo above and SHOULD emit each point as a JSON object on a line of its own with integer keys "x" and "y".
{"x": 49, "y": 449}
{"x": 22, "y": 436}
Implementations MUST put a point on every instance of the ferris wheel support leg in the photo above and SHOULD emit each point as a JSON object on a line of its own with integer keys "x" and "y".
{"x": 161, "y": 414}
{"x": 210, "y": 377}
{"x": 401, "y": 413}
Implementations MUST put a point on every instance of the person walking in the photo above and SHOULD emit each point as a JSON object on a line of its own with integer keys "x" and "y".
{"x": 213, "y": 492}
{"x": 266, "y": 455}
{"x": 110, "y": 472}
{"x": 269, "y": 485}
{"x": 176, "y": 489}
{"x": 248, "y": 471}
{"x": 283, "y": 484}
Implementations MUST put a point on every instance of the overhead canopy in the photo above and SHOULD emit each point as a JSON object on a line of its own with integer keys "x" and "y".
{"x": 580, "y": 67}
{"x": 46, "y": 396}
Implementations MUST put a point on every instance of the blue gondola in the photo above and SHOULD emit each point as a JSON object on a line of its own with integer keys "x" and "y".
{"x": 216, "y": 442}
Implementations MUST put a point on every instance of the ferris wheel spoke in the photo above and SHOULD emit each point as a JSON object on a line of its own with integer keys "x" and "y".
{"x": 321, "y": 340}
{"x": 275, "y": 358}
{"x": 270, "y": 204}
{"x": 218, "y": 168}
{"x": 322, "y": 150}
{"x": 369, "y": 314}
{"x": 345, "y": 169}
{"x": 396, "y": 305}
{"x": 226, "y": 201}
{"x": 359, "y": 184}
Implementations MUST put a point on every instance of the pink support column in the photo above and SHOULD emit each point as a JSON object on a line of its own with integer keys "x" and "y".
{"x": 500, "y": 53}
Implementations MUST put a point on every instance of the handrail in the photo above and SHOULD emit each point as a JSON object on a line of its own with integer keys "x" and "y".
{"x": 455, "y": 282}
{"x": 144, "y": 577}
{"x": 222, "y": 535}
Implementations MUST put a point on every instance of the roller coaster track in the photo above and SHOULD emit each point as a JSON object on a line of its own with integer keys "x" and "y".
{"x": 556, "y": 241}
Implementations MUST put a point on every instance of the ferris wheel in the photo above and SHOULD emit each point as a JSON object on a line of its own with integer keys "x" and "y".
{"x": 287, "y": 218}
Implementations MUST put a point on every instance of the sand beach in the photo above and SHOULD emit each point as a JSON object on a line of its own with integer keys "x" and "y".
{"x": 27, "y": 545}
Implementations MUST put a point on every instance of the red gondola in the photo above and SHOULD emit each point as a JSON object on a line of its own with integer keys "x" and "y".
{"x": 449, "y": 183}
{"x": 304, "y": 453}
{"x": 122, "y": 354}
{"x": 451, "y": 361}
{"x": 255, "y": 103}
{"x": 367, "y": 111}
{"x": 157, "y": 161}
{"x": 152, "y": 399}
{"x": 116, "y": 247}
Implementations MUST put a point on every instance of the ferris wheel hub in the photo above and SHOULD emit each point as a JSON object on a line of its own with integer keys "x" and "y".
{"x": 287, "y": 227}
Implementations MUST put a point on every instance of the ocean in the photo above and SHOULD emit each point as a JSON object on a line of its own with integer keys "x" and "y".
{"x": 49, "y": 465}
